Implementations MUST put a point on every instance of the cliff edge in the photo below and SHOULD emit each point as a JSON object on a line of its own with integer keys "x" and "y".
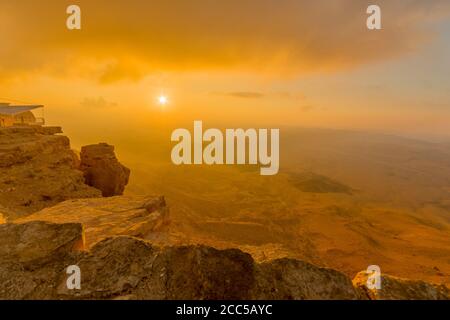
{"x": 37, "y": 170}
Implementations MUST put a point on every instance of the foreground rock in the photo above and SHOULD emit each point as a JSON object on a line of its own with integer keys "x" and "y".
{"x": 138, "y": 216}
{"x": 128, "y": 268}
{"x": 393, "y": 288}
{"x": 32, "y": 256}
{"x": 102, "y": 170}
{"x": 37, "y": 170}
{"x": 38, "y": 241}
{"x": 289, "y": 279}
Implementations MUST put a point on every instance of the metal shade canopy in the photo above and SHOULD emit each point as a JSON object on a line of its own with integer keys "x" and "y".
{"x": 6, "y": 109}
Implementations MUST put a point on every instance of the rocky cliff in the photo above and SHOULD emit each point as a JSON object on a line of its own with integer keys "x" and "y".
{"x": 393, "y": 288}
{"x": 128, "y": 268}
{"x": 37, "y": 170}
{"x": 34, "y": 258}
{"x": 51, "y": 219}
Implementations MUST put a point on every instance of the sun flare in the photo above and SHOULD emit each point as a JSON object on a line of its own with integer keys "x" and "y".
{"x": 163, "y": 100}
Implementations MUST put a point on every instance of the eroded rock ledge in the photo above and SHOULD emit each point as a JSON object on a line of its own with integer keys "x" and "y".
{"x": 393, "y": 288}
{"x": 37, "y": 170}
{"x": 33, "y": 267}
{"x": 34, "y": 257}
{"x": 138, "y": 216}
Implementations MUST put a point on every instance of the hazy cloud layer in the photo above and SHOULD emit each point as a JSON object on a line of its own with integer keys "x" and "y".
{"x": 245, "y": 95}
{"x": 131, "y": 39}
{"x": 99, "y": 102}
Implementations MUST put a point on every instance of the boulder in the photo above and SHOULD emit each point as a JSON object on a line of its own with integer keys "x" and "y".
{"x": 102, "y": 170}
{"x": 33, "y": 258}
{"x": 124, "y": 267}
{"x": 289, "y": 279}
{"x": 37, "y": 241}
{"x": 393, "y": 288}
{"x": 138, "y": 216}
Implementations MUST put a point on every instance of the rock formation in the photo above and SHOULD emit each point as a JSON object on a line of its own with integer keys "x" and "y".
{"x": 36, "y": 242}
{"x": 289, "y": 279}
{"x": 102, "y": 170}
{"x": 393, "y": 288}
{"x": 138, "y": 216}
{"x": 37, "y": 170}
{"x": 34, "y": 257}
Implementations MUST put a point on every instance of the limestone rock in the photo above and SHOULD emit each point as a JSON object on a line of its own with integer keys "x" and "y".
{"x": 34, "y": 257}
{"x": 49, "y": 130}
{"x": 288, "y": 279}
{"x": 38, "y": 241}
{"x": 393, "y": 288}
{"x": 37, "y": 170}
{"x": 135, "y": 268}
{"x": 137, "y": 216}
{"x": 102, "y": 170}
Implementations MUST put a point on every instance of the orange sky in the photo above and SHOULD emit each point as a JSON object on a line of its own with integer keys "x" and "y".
{"x": 246, "y": 62}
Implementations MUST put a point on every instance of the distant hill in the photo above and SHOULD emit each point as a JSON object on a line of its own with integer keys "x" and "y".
{"x": 315, "y": 183}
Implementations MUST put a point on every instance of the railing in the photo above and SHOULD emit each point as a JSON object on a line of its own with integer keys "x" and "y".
{"x": 40, "y": 121}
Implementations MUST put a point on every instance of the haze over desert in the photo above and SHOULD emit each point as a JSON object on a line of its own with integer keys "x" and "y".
{"x": 225, "y": 150}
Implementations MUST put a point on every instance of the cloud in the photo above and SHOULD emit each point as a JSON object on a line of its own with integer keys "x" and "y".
{"x": 99, "y": 102}
{"x": 131, "y": 39}
{"x": 289, "y": 95}
{"x": 245, "y": 94}
{"x": 306, "y": 108}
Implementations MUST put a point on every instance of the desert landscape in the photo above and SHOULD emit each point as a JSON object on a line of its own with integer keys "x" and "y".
{"x": 304, "y": 225}
{"x": 342, "y": 199}
{"x": 235, "y": 149}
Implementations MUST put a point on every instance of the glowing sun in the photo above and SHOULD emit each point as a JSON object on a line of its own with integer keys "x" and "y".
{"x": 163, "y": 100}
